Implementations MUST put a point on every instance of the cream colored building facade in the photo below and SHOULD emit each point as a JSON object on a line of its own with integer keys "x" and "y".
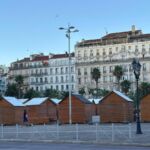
{"x": 105, "y": 53}
{"x": 42, "y": 72}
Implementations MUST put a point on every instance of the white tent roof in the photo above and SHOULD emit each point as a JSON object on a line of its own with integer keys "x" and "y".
{"x": 123, "y": 96}
{"x": 14, "y": 101}
{"x": 22, "y": 100}
{"x": 96, "y": 100}
{"x": 56, "y": 101}
{"x": 36, "y": 101}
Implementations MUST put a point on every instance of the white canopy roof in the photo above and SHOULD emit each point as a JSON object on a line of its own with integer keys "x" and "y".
{"x": 55, "y": 100}
{"x": 14, "y": 101}
{"x": 123, "y": 96}
{"x": 36, "y": 101}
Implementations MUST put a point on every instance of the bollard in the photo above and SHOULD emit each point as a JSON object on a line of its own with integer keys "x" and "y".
{"x": 16, "y": 131}
{"x": 130, "y": 131}
{"x": 77, "y": 132}
{"x": 113, "y": 134}
{"x": 96, "y": 132}
{"x": 2, "y": 130}
{"x": 57, "y": 131}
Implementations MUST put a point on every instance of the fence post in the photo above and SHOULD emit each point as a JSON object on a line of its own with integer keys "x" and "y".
{"x": 77, "y": 132}
{"x": 16, "y": 130}
{"x": 32, "y": 131}
{"x": 96, "y": 132}
{"x": 2, "y": 129}
{"x": 112, "y": 131}
{"x": 57, "y": 132}
{"x": 130, "y": 132}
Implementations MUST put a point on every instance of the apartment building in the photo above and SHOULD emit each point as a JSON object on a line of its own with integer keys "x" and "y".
{"x": 3, "y": 78}
{"x": 42, "y": 72}
{"x": 108, "y": 51}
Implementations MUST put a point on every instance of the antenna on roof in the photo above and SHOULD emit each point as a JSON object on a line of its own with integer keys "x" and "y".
{"x": 106, "y": 31}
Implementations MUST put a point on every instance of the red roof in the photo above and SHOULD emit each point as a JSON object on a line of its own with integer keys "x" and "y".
{"x": 40, "y": 58}
{"x": 57, "y": 56}
{"x": 119, "y": 34}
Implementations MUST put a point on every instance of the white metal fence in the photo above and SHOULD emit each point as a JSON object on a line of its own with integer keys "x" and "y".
{"x": 77, "y": 132}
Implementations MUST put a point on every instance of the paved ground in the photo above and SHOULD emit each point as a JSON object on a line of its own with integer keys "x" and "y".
{"x": 103, "y": 133}
{"x": 56, "y": 146}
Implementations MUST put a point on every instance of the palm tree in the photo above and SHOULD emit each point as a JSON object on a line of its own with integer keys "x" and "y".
{"x": 19, "y": 81}
{"x": 144, "y": 89}
{"x": 125, "y": 86}
{"x": 96, "y": 74}
{"x": 118, "y": 73}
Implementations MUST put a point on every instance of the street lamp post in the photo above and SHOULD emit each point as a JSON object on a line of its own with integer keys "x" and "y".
{"x": 68, "y": 31}
{"x": 136, "y": 68}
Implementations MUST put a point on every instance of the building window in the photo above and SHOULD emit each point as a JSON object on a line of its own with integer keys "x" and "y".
{"x": 111, "y": 78}
{"x": 85, "y": 79}
{"x": 72, "y": 87}
{"x": 79, "y": 71}
{"x": 104, "y": 69}
{"x": 41, "y": 80}
{"x": 97, "y": 53}
{"x": 46, "y": 80}
{"x": 36, "y": 71}
{"x": 37, "y": 88}
{"x": 91, "y": 53}
{"x": 110, "y": 51}
{"x": 56, "y": 70}
{"x": 66, "y": 69}
{"x": 144, "y": 77}
{"x": 41, "y": 88}
{"x": 61, "y": 70}
{"x": 85, "y": 71}
{"x": 136, "y": 50}
{"x": 111, "y": 69}
{"x": 129, "y": 47}
{"x": 105, "y": 79}
{"x": 67, "y": 87}
{"x": 116, "y": 49}
{"x": 144, "y": 67}
{"x": 51, "y": 79}
{"x": 62, "y": 87}
{"x": 56, "y": 79}
{"x": 85, "y": 53}
{"x": 79, "y": 54}
{"x": 72, "y": 69}
{"x": 66, "y": 78}
{"x": 57, "y": 87}
{"x": 40, "y": 71}
{"x": 125, "y": 68}
{"x": 62, "y": 79}
{"x": 104, "y": 53}
{"x": 45, "y": 71}
{"x": 130, "y": 67}
{"x": 72, "y": 78}
{"x": 79, "y": 80}
{"x": 51, "y": 71}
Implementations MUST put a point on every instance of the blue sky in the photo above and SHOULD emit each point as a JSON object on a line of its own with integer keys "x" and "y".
{"x": 31, "y": 26}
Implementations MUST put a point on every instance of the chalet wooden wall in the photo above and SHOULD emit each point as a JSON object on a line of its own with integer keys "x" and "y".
{"x": 145, "y": 109}
{"x": 114, "y": 108}
{"x": 81, "y": 112}
{"x": 43, "y": 113}
{"x": 7, "y": 113}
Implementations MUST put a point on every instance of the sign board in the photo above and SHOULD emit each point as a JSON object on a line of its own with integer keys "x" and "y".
{"x": 95, "y": 119}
